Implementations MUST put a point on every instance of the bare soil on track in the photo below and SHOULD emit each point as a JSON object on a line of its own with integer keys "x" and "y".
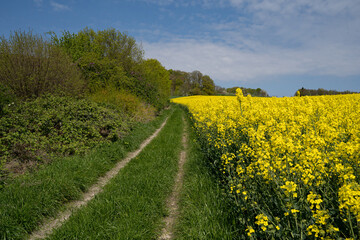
{"x": 172, "y": 201}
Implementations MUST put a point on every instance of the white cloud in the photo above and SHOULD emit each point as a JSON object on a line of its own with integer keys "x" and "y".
{"x": 224, "y": 63}
{"x": 269, "y": 38}
{"x": 59, "y": 7}
{"x": 300, "y": 20}
{"x": 327, "y": 7}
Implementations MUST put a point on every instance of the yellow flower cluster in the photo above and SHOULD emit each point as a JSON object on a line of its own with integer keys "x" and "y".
{"x": 262, "y": 221}
{"x": 290, "y": 188}
{"x": 293, "y": 159}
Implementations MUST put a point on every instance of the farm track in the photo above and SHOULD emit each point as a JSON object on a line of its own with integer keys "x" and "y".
{"x": 48, "y": 226}
{"x": 172, "y": 201}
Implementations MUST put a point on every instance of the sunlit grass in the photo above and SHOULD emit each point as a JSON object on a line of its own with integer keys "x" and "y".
{"x": 28, "y": 200}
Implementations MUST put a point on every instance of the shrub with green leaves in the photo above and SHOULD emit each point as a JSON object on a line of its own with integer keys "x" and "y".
{"x": 104, "y": 57}
{"x": 126, "y": 102}
{"x": 6, "y": 98}
{"x": 31, "y": 66}
{"x": 36, "y": 130}
{"x": 156, "y": 86}
{"x": 111, "y": 58}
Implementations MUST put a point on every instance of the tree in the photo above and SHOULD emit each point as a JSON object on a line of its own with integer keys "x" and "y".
{"x": 320, "y": 91}
{"x": 106, "y": 57}
{"x": 109, "y": 43}
{"x": 220, "y": 90}
{"x": 258, "y": 92}
{"x": 208, "y": 85}
{"x": 31, "y": 66}
{"x": 156, "y": 84}
{"x": 232, "y": 90}
{"x": 180, "y": 84}
{"x": 194, "y": 83}
{"x": 196, "y": 79}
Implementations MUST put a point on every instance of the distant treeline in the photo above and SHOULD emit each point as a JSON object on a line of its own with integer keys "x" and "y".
{"x": 320, "y": 91}
{"x": 194, "y": 83}
{"x": 258, "y": 92}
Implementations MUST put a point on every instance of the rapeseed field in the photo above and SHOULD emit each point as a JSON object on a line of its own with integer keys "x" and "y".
{"x": 291, "y": 165}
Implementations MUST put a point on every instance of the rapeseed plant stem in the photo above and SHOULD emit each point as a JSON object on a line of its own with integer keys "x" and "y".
{"x": 350, "y": 223}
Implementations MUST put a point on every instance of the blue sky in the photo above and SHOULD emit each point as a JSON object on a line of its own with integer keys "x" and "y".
{"x": 277, "y": 45}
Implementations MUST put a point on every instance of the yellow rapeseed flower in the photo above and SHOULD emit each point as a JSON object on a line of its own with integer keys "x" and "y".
{"x": 293, "y": 147}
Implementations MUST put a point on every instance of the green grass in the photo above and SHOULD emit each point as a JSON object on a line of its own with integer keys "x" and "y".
{"x": 133, "y": 204}
{"x": 27, "y": 200}
{"x": 205, "y": 212}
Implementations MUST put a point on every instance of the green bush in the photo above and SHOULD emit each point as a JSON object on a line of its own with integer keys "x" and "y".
{"x": 104, "y": 57}
{"x": 111, "y": 58}
{"x": 6, "y": 98}
{"x": 32, "y": 66}
{"x": 37, "y": 130}
{"x": 103, "y": 72}
{"x": 125, "y": 102}
{"x": 155, "y": 83}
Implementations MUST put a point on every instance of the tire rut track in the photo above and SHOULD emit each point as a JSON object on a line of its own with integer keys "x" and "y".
{"x": 47, "y": 228}
{"x": 172, "y": 202}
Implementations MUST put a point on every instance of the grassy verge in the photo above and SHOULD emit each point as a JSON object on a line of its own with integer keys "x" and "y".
{"x": 133, "y": 204}
{"x": 29, "y": 199}
{"x": 205, "y": 212}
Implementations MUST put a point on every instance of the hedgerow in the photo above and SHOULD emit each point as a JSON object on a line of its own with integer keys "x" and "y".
{"x": 37, "y": 130}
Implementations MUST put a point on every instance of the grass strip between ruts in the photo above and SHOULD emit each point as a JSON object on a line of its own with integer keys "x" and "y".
{"x": 29, "y": 199}
{"x": 133, "y": 204}
{"x": 205, "y": 212}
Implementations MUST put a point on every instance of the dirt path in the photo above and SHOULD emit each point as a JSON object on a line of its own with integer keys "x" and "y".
{"x": 47, "y": 228}
{"x": 172, "y": 201}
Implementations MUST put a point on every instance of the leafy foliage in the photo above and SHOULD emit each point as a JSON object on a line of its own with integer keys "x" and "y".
{"x": 30, "y": 66}
{"x": 106, "y": 66}
{"x": 110, "y": 58}
{"x": 104, "y": 57}
{"x": 35, "y": 130}
{"x": 6, "y": 98}
{"x": 194, "y": 83}
{"x": 320, "y": 91}
{"x": 108, "y": 43}
{"x": 258, "y": 92}
{"x": 157, "y": 85}
{"x": 125, "y": 102}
